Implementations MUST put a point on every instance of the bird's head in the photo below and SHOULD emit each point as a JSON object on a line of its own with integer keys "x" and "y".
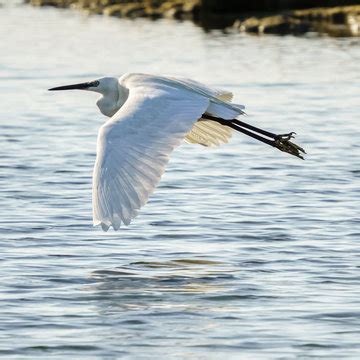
{"x": 103, "y": 86}
{"x": 113, "y": 95}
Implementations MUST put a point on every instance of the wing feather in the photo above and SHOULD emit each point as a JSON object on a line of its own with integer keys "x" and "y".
{"x": 211, "y": 133}
{"x": 208, "y": 133}
{"x": 134, "y": 146}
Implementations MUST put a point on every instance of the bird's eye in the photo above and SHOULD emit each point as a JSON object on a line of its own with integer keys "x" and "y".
{"x": 95, "y": 83}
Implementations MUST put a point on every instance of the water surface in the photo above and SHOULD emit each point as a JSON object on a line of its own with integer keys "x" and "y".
{"x": 243, "y": 252}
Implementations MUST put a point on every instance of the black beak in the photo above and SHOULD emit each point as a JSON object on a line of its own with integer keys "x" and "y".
{"x": 81, "y": 86}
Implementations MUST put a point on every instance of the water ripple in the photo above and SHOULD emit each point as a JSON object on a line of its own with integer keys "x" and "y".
{"x": 242, "y": 252}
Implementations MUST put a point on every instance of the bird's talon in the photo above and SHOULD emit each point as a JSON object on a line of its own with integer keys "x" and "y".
{"x": 283, "y": 143}
{"x": 287, "y": 137}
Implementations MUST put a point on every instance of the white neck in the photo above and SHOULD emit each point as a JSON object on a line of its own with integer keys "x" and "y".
{"x": 111, "y": 101}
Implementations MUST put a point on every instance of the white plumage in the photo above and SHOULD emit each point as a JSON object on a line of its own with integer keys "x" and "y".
{"x": 150, "y": 116}
{"x": 135, "y": 144}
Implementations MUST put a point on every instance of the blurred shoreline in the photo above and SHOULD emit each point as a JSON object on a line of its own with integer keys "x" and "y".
{"x": 334, "y": 18}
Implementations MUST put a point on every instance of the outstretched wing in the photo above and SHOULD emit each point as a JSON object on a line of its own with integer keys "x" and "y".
{"x": 223, "y": 95}
{"x": 134, "y": 146}
{"x": 204, "y": 132}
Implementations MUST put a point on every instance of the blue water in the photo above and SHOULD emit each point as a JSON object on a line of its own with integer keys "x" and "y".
{"x": 243, "y": 252}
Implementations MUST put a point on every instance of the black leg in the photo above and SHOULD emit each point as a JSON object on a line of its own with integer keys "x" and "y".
{"x": 281, "y": 142}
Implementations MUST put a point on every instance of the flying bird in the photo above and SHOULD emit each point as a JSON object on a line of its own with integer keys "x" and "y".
{"x": 148, "y": 117}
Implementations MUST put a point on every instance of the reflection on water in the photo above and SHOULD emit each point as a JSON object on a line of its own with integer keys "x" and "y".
{"x": 177, "y": 276}
{"x": 242, "y": 252}
{"x": 152, "y": 286}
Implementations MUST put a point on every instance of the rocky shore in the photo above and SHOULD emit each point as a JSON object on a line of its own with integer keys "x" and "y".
{"x": 179, "y": 9}
{"x": 334, "y": 21}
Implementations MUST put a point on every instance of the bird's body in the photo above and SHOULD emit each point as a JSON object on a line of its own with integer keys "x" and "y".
{"x": 149, "y": 116}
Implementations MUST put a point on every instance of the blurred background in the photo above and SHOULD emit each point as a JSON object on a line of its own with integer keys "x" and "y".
{"x": 243, "y": 251}
{"x": 333, "y": 17}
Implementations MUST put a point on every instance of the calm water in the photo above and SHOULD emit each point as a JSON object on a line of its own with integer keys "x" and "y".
{"x": 242, "y": 253}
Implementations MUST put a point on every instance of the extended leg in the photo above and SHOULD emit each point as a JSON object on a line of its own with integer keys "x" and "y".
{"x": 281, "y": 141}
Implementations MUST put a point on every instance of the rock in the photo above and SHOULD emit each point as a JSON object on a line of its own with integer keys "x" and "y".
{"x": 125, "y": 10}
{"x": 134, "y": 11}
{"x": 180, "y": 9}
{"x": 113, "y": 10}
{"x": 353, "y": 22}
{"x": 172, "y": 9}
{"x": 338, "y": 21}
{"x": 335, "y": 21}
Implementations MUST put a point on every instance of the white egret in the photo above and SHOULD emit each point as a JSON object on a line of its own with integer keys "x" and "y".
{"x": 150, "y": 116}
